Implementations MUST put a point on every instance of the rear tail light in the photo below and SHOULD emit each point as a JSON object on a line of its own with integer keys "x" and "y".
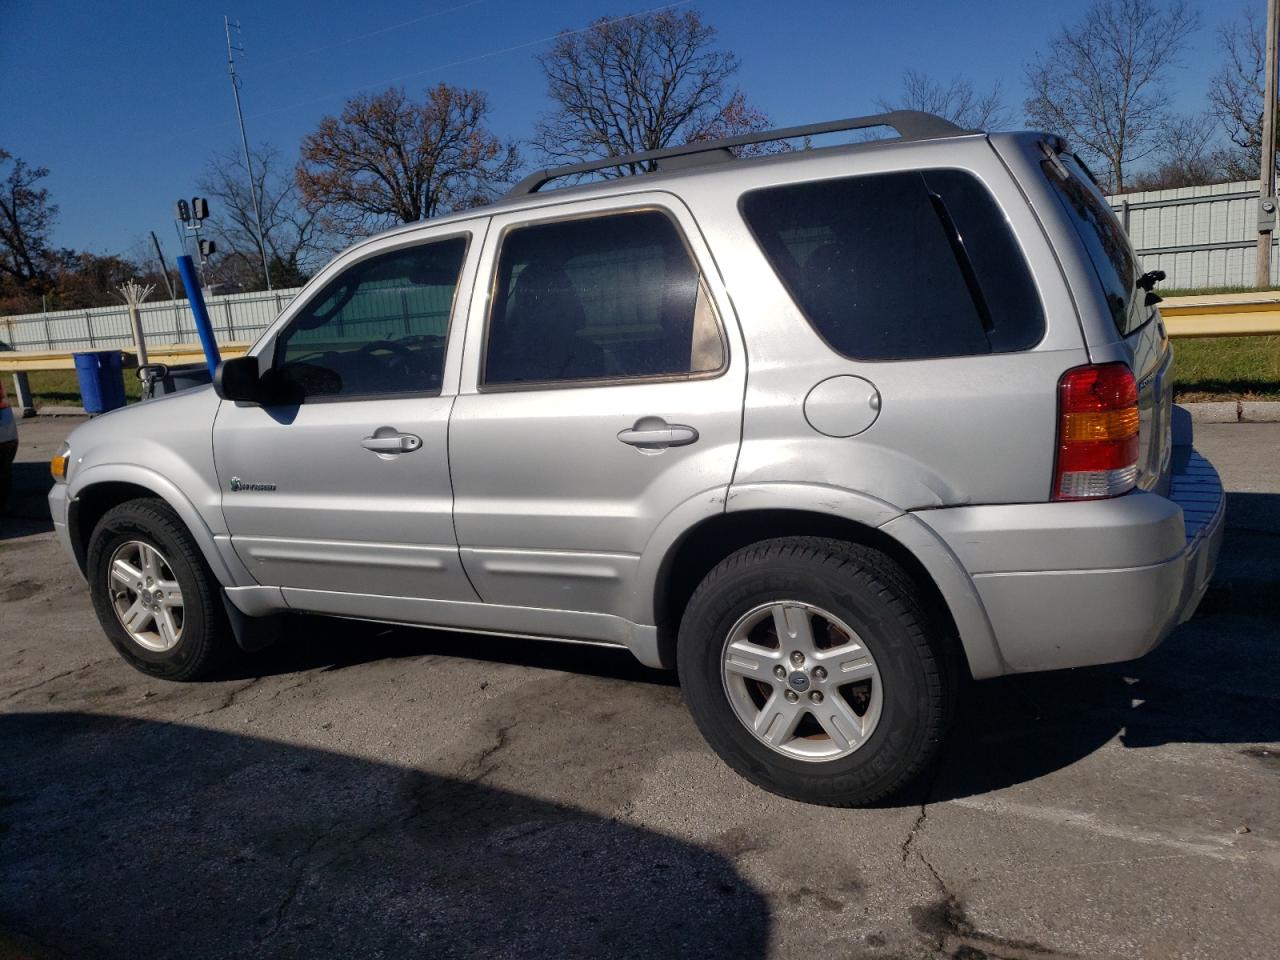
{"x": 1097, "y": 432}
{"x": 4, "y": 397}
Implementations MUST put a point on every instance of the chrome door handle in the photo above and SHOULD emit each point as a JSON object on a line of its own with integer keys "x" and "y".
{"x": 654, "y": 433}
{"x": 392, "y": 443}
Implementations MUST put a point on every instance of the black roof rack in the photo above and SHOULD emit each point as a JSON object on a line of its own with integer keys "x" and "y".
{"x": 910, "y": 124}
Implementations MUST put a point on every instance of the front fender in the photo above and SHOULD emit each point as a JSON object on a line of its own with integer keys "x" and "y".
{"x": 226, "y": 567}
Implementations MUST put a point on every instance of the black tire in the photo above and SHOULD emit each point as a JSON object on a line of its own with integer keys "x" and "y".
{"x": 871, "y": 594}
{"x": 206, "y": 643}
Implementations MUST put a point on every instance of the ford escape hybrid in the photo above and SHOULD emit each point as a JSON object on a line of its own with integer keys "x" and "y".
{"x": 824, "y": 431}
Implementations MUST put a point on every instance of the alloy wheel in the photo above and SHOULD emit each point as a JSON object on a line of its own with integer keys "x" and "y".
{"x": 145, "y": 595}
{"x": 801, "y": 681}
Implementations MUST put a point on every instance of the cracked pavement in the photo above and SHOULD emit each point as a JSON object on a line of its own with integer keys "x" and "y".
{"x": 388, "y": 792}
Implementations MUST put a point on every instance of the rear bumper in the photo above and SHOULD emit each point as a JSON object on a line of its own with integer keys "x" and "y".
{"x": 1074, "y": 584}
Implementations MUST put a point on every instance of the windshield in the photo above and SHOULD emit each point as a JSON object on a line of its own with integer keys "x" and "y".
{"x": 1104, "y": 239}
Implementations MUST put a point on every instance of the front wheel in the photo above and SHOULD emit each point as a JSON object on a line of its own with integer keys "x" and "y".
{"x": 154, "y": 595}
{"x": 811, "y": 669}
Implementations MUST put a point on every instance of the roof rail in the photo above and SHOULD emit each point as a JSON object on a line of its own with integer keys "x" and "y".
{"x": 910, "y": 124}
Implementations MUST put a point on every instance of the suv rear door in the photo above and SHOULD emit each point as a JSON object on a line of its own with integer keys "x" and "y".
{"x": 601, "y": 391}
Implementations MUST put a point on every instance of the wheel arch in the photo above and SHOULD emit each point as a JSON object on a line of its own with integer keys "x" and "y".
{"x": 704, "y": 545}
{"x": 100, "y": 489}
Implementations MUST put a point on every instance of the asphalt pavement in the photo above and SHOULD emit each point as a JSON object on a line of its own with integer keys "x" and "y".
{"x": 372, "y": 791}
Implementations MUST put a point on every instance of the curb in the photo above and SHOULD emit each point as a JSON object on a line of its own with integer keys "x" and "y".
{"x": 1234, "y": 411}
{"x": 53, "y": 411}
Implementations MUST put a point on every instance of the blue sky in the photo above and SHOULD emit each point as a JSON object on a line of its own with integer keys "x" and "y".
{"x": 125, "y": 101}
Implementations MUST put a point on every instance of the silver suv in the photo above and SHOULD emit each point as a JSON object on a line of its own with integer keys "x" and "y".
{"x": 825, "y": 431}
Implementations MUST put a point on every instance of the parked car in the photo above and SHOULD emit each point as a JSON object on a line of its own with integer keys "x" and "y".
{"x": 824, "y": 431}
{"x": 8, "y": 447}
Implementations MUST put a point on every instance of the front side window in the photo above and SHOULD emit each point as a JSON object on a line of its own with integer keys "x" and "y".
{"x": 900, "y": 266}
{"x": 607, "y": 297}
{"x": 379, "y": 328}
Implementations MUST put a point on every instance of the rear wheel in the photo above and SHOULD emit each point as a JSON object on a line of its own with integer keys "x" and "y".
{"x": 154, "y": 594}
{"x": 811, "y": 669}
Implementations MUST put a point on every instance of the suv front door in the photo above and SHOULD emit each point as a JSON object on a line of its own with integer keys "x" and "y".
{"x": 601, "y": 393}
{"x": 340, "y": 484}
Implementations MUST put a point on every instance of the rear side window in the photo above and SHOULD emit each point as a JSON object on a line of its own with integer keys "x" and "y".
{"x": 608, "y": 297}
{"x": 900, "y": 266}
{"x": 1104, "y": 239}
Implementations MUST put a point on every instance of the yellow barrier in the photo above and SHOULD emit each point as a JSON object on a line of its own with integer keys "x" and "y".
{"x": 1223, "y": 315}
{"x": 24, "y": 361}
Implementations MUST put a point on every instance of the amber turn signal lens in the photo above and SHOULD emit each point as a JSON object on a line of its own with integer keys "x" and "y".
{"x": 1111, "y": 425}
{"x": 58, "y": 467}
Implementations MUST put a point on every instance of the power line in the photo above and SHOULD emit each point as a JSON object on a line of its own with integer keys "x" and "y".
{"x": 124, "y": 253}
{"x": 480, "y": 56}
{"x": 373, "y": 33}
{"x": 488, "y": 55}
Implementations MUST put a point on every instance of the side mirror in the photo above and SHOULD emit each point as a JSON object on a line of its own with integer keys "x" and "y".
{"x": 237, "y": 379}
{"x": 1149, "y": 279}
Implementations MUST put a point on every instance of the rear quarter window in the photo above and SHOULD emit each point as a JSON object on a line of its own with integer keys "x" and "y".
{"x": 1104, "y": 240}
{"x": 900, "y": 266}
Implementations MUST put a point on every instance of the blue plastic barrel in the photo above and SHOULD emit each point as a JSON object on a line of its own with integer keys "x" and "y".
{"x": 101, "y": 376}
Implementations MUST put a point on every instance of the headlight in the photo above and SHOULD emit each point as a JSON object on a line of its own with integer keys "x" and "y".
{"x": 60, "y": 462}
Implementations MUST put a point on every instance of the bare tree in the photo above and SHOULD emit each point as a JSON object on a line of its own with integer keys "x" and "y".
{"x": 956, "y": 100}
{"x": 738, "y": 117}
{"x": 26, "y": 217}
{"x": 640, "y": 83}
{"x": 1103, "y": 80}
{"x": 295, "y": 242}
{"x": 84, "y": 279}
{"x": 1236, "y": 92}
{"x": 1185, "y": 156}
{"x": 388, "y": 159}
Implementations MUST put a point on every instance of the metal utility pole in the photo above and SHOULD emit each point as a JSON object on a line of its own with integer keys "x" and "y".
{"x": 1267, "y": 173}
{"x": 244, "y": 142}
{"x": 164, "y": 267}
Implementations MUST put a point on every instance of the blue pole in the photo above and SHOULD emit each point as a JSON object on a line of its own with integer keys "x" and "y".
{"x": 204, "y": 327}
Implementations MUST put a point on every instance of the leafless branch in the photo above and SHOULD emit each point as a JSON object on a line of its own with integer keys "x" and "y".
{"x": 388, "y": 159}
{"x": 1236, "y": 93}
{"x": 956, "y": 100}
{"x": 1102, "y": 82}
{"x": 296, "y": 244}
{"x": 639, "y": 83}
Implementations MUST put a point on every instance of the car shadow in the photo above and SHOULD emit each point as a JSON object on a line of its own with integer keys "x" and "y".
{"x": 326, "y": 643}
{"x": 28, "y": 509}
{"x": 125, "y": 838}
{"x": 1214, "y": 680}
